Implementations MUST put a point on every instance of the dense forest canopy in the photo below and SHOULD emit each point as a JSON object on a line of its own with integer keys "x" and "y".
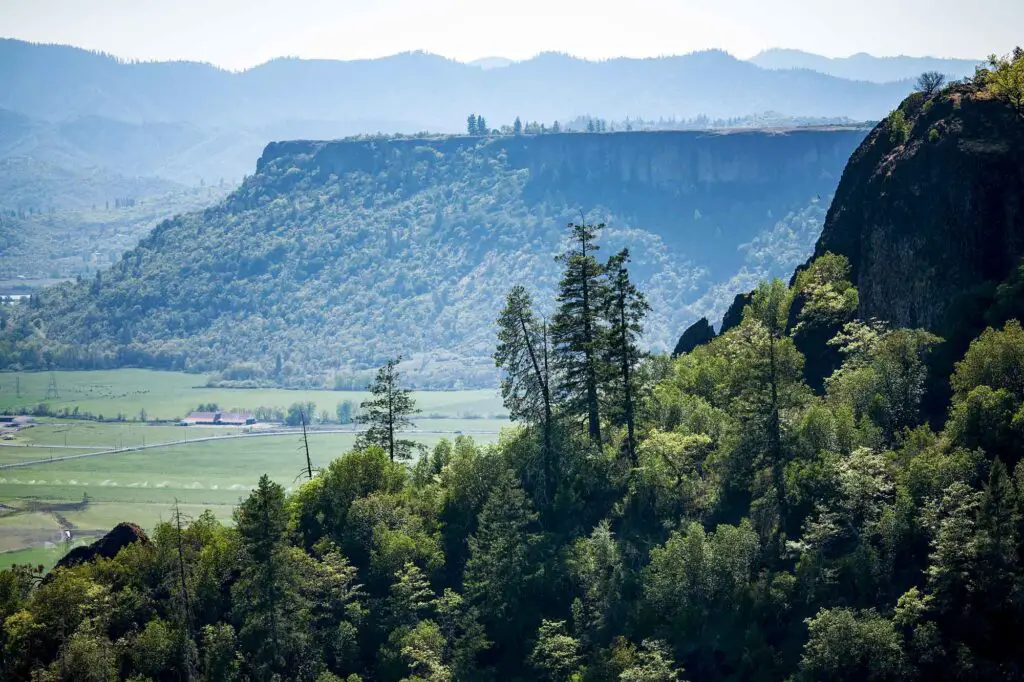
{"x": 759, "y": 531}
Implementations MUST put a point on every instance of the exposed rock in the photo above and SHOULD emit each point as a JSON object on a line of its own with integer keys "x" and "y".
{"x": 734, "y": 315}
{"x": 938, "y": 217}
{"x": 122, "y": 535}
{"x": 697, "y": 334}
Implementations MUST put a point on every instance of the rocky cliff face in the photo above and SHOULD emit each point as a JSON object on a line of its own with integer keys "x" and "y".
{"x": 932, "y": 215}
{"x": 684, "y": 162}
{"x": 693, "y": 186}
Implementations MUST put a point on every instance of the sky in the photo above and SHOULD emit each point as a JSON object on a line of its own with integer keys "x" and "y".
{"x": 238, "y": 34}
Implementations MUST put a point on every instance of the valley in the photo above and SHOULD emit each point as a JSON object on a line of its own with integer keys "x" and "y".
{"x": 415, "y": 369}
{"x": 89, "y": 475}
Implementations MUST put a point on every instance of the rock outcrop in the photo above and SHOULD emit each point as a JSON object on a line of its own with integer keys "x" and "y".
{"x": 931, "y": 212}
{"x": 107, "y": 547}
{"x": 697, "y": 334}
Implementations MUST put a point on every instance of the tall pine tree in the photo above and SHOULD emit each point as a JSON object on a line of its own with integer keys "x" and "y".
{"x": 387, "y": 413}
{"x": 576, "y": 329}
{"x": 266, "y": 597}
{"x": 624, "y": 308}
{"x": 522, "y": 356}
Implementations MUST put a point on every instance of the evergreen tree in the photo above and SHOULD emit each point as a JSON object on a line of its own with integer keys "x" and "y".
{"x": 501, "y": 570}
{"x": 517, "y": 127}
{"x": 556, "y": 655}
{"x": 576, "y": 331}
{"x": 624, "y": 308}
{"x": 522, "y": 355}
{"x": 556, "y": 127}
{"x": 481, "y": 126}
{"x": 471, "y": 125}
{"x": 387, "y": 413}
{"x": 776, "y": 368}
{"x": 265, "y": 597}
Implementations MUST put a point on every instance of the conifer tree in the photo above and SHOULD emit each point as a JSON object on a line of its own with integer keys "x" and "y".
{"x": 481, "y": 126}
{"x": 502, "y": 565}
{"x": 522, "y": 355}
{"x": 471, "y": 125}
{"x": 624, "y": 308}
{"x": 576, "y": 331}
{"x": 387, "y": 413}
{"x": 266, "y": 595}
{"x": 517, "y": 127}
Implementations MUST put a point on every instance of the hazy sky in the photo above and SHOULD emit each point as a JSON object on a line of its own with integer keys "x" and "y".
{"x": 241, "y": 33}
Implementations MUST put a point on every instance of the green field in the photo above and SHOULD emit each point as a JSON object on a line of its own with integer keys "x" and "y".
{"x": 172, "y": 395}
{"x": 141, "y": 486}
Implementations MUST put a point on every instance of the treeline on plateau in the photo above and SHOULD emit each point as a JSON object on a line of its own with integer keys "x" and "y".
{"x": 705, "y": 517}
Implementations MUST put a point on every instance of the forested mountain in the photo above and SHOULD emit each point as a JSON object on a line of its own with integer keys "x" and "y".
{"x": 417, "y": 91}
{"x": 334, "y": 256}
{"x": 712, "y": 517}
{"x": 865, "y": 67}
{"x": 106, "y": 220}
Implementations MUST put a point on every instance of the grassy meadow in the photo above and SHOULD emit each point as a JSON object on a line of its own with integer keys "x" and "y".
{"x": 142, "y": 485}
{"x": 171, "y": 395}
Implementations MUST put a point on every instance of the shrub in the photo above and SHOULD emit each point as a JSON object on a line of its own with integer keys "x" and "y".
{"x": 898, "y": 126}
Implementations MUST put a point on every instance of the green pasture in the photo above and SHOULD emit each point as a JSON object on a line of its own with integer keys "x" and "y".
{"x": 141, "y": 486}
{"x": 172, "y": 395}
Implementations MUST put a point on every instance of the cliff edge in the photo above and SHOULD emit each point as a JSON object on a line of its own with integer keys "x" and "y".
{"x": 930, "y": 208}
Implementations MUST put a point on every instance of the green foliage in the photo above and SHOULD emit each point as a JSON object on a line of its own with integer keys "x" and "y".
{"x": 575, "y": 329}
{"x": 556, "y": 655}
{"x": 845, "y": 645}
{"x": 763, "y": 532}
{"x": 898, "y": 126}
{"x": 1004, "y": 79}
{"x": 652, "y": 663}
{"x": 829, "y": 296}
{"x": 387, "y": 413}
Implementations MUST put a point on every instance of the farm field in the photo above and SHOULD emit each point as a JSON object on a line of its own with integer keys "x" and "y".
{"x": 89, "y": 495}
{"x": 171, "y": 395}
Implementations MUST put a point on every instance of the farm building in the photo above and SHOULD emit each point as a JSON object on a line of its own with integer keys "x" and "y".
{"x": 218, "y": 419}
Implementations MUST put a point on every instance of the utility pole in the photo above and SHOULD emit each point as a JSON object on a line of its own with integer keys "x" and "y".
{"x": 305, "y": 443}
{"x": 51, "y": 388}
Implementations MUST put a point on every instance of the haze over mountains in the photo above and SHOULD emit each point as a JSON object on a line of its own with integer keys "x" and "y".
{"x": 417, "y": 91}
{"x": 865, "y": 67}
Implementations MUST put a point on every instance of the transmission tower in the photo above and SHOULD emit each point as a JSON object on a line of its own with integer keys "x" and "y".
{"x": 51, "y": 388}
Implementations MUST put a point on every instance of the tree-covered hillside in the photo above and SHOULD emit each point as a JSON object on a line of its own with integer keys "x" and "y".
{"x": 754, "y": 530}
{"x": 335, "y": 256}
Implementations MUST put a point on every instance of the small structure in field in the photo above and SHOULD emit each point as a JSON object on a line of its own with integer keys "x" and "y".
{"x": 218, "y": 419}
{"x": 15, "y": 420}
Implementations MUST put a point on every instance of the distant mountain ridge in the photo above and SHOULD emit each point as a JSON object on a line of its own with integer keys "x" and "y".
{"x": 425, "y": 91}
{"x": 865, "y": 67}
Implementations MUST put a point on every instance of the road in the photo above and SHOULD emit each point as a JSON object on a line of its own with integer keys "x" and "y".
{"x": 206, "y": 439}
